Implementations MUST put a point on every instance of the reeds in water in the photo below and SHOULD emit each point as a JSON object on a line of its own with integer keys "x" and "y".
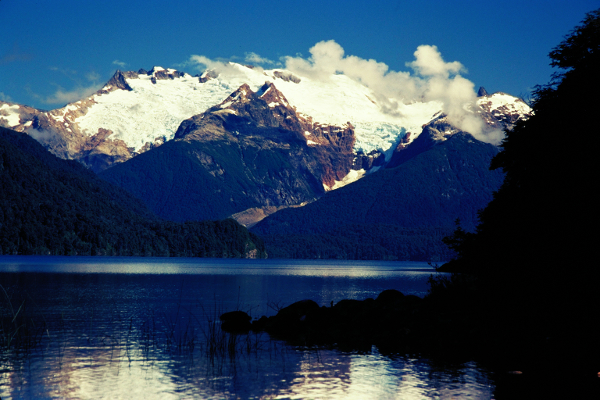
{"x": 21, "y": 327}
{"x": 182, "y": 331}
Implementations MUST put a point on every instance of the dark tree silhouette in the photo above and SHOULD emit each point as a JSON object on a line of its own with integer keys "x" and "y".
{"x": 534, "y": 252}
{"x": 546, "y": 210}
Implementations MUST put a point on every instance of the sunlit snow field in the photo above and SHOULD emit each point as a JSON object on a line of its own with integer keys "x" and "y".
{"x": 154, "y": 110}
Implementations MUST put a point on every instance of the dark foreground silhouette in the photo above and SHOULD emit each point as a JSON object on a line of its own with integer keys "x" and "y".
{"x": 447, "y": 326}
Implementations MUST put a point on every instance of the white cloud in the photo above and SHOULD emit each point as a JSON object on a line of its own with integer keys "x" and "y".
{"x": 41, "y": 135}
{"x": 93, "y": 76}
{"x": 433, "y": 80}
{"x": 60, "y": 96}
{"x": 222, "y": 67}
{"x": 83, "y": 87}
{"x": 120, "y": 63}
{"x": 5, "y": 97}
{"x": 429, "y": 62}
{"x": 256, "y": 59}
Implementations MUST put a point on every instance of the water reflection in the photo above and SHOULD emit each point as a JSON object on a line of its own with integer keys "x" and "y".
{"x": 279, "y": 372}
{"x": 114, "y": 334}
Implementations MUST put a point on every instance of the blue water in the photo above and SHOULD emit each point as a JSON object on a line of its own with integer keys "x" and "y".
{"x": 140, "y": 328}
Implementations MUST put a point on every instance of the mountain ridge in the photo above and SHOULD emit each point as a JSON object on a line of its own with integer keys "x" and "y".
{"x": 50, "y": 206}
{"x": 243, "y": 153}
{"x": 398, "y": 213}
{"x": 266, "y": 141}
{"x": 137, "y": 111}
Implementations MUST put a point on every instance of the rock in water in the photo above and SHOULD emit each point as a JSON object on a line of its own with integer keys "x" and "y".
{"x": 235, "y": 322}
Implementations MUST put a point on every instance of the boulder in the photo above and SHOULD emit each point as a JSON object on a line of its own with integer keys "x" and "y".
{"x": 235, "y": 322}
{"x": 298, "y": 310}
{"x": 389, "y": 296}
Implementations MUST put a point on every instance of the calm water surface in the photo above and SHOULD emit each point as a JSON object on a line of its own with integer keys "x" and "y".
{"x": 145, "y": 328}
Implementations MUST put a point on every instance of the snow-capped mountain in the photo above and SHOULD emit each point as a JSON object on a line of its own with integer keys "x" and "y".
{"x": 137, "y": 111}
{"x": 501, "y": 110}
{"x": 252, "y": 152}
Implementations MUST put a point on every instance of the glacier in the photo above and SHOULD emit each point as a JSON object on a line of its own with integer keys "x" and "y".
{"x": 155, "y": 110}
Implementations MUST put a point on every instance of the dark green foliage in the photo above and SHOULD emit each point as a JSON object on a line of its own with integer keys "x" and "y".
{"x": 195, "y": 180}
{"x": 57, "y": 207}
{"x": 534, "y": 254}
{"x": 363, "y": 242}
{"x": 543, "y": 214}
{"x": 401, "y": 213}
{"x": 174, "y": 184}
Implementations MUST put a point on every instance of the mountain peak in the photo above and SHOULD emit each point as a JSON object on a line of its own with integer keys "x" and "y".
{"x": 272, "y": 96}
{"x": 158, "y": 72}
{"x": 482, "y": 92}
{"x": 118, "y": 80}
{"x": 241, "y": 95}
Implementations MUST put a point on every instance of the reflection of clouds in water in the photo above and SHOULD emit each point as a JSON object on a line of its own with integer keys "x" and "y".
{"x": 95, "y": 321}
{"x": 114, "y": 371}
{"x": 331, "y": 374}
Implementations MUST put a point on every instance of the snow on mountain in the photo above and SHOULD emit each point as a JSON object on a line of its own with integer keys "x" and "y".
{"x": 341, "y": 100}
{"x": 152, "y": 109}
{"x": 136, "y": 111}
{"x": 501, "y": 108}
{"x": 155, "y": 108}
{"x": 10, "y": 113}
{"x": 498, "y": 101}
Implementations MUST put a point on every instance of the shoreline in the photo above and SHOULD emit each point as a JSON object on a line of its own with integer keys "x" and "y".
{"x": 433, "y": 326}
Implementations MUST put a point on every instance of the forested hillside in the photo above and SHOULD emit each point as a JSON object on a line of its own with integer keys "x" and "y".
{"x": 399, "y": 213}
{"x": 530, "y": 272}
{"x": 195, "y": 180}
{"x": 52, "y": 206}
{"x": 245, "y": 153}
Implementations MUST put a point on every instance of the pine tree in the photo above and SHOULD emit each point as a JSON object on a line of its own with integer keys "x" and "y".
{"x": 534, "y": 252}
{"x": 543, "y": 215}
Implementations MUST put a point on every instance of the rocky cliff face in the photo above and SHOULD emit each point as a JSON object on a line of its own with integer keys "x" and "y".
{"x": 239, "y": 118}
{"x": 250, "y": 154}
{"x": 501, "y": 110}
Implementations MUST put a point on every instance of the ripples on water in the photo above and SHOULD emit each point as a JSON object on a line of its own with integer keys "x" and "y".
{"x": 129, "y": 328}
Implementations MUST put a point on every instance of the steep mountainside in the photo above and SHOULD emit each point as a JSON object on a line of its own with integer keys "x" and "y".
{"x": 137, "y": 111}
{"x": 254, "y": 153}
{"x": 397, "y": 213}
{"x": 250, "y": 151}
{"x": 246, "y": 142}
{"x": 53, "y": 206}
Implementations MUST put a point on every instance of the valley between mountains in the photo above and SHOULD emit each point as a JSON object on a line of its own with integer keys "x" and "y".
{"x": 317, "y": 168}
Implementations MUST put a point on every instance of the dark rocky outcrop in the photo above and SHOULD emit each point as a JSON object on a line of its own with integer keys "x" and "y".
{"x": 165, "y": 74}
{"x": 364, "y": 161}
{"x": 435, "y": 132}
{"x": 118, "y": 80}
{"x": 235, "y": 322}
{"x": 452, "y": 322}
{"x": 482, "y": 92}
{"x": 286, "y": 76}
{"x": 208, "y": 75}
{"x": 391, "y": 320}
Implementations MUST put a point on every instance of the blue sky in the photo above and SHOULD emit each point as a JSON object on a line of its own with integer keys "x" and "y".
{"x": 52, "y": 52}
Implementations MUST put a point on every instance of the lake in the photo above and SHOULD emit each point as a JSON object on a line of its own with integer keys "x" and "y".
{"x": 148, "y": 328}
